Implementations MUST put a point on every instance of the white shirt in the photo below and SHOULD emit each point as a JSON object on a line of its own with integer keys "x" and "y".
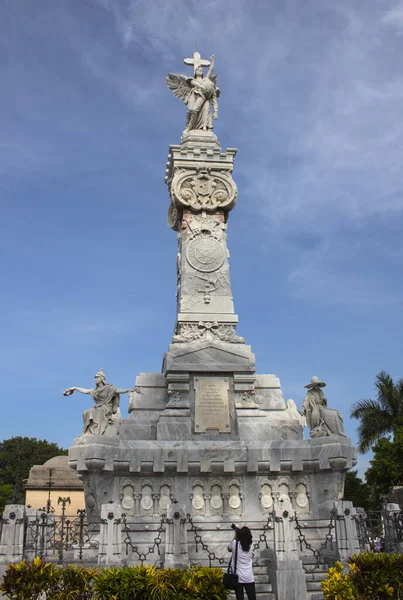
{"x": 243, "y": 563}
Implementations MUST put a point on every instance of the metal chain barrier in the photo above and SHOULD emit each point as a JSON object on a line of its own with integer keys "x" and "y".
{"x": 199, "y": 542}
{"x": 268, "y": 526}
{"x": 142, "y": 556}
{"x": 316, "y": 552}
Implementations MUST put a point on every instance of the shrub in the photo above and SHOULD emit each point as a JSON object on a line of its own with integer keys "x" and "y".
{"x": 377, "y": 575}
{"x": 371, "y": 576}
{"x": 24, "y": 580}
{"x": 38, "y": 579}
{"x": 338, "y": 585}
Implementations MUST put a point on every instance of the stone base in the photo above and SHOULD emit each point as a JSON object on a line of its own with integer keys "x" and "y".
{"x": 288, "y": 580}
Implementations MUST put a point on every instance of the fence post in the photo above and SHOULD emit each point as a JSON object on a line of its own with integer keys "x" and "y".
{"x": 393, "y": 527}
{"x": 346, "y": 530}
{"x": 176, "y": 546}
{"x": 110, "y": 546}
{"x": 12, "y": 535}
{"x": 286, "y": 571}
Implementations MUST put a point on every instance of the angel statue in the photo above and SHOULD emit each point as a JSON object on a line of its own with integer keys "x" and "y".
{"x": 104, "y": 417}
{"x": 197, "y": 92}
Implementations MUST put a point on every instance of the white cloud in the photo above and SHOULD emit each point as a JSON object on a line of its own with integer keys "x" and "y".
{"x": 394, "y": 17}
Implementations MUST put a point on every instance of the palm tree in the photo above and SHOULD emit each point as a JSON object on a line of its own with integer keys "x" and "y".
{"x": 381, "y": 416}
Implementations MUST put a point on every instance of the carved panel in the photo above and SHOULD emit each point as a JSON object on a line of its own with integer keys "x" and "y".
{"x": 205, "y": 254}
{"x": 211, "y": 404}
{"x": 207, "y": 330}
{"x": 203, "y": 189}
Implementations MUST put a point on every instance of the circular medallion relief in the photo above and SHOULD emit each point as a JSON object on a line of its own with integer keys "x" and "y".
{"x": 205, "y": 254}
{"x": 216, "y": 502}
{"x": 165, "y": 501}
{"x": 234, "y": 501}
{"x": 197, "y": 502}
{"x": 146, "y": 502}
{"x": 302, "y": 500}
{"x": 128, "y": 502}
{"x": 266, "y": 501}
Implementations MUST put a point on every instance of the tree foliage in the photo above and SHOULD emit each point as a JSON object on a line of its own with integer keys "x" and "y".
{"x": 358, "y": 492}
{"x": 386, "y": 468}
{"x": 381, "y": 416}
{"x": 17, "y": 456}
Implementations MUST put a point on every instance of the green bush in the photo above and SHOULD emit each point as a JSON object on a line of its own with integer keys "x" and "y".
{"x": 25, "y": 581}
{"x": 371, "y": 576}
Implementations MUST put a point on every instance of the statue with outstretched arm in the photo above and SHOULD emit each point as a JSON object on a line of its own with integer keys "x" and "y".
{"x": 104, "y": 417}
{"x": 199, "y": 93}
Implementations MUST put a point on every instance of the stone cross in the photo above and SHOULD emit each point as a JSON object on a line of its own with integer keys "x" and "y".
{"x": 196, "y": 61}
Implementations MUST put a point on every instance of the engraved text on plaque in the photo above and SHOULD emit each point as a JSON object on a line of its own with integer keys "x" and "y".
{"x": 211, "y": 404}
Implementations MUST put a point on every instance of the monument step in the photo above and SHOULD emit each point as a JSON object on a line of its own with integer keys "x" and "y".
{"x": 313, "y": 586}
{"x": 260, "y": 595}
{"x": 315, "y": 596}
{"x": 316, "y": 576}
{"x": 263, "y": 578}
{"x": 260, "y": 569}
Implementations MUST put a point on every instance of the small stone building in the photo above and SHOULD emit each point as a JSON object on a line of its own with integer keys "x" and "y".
{"x": 53, "y": 480}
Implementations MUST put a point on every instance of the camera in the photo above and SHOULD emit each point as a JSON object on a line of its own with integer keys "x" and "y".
{"x": 235, "y": 528}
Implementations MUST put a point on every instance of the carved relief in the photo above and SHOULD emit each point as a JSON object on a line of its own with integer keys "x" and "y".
{"x": 146, "y": 501}
{"x": 235, "y": 500}
{"x": 203, "y": 189}
{"x": 127, "y": 500}
{"x": 197, "y": 499}
{"x": 302, "y": 499}
{"x": 188, "y": 332}
{"x": 250, "y": 398}
{"x": 165, "y": 498}
{"x": 205, "y": 254}
{"x": 216, "y": 501}
{"x": 266, "y": 498}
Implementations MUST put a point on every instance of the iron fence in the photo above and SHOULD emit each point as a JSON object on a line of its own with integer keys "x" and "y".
{"x": 380, "y": 531}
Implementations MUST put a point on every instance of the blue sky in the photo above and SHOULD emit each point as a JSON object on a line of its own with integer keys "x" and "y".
{"x": 312, "y": 96}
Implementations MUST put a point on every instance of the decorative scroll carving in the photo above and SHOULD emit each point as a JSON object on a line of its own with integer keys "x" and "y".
{"x": 202, "y": 331}
{"x": 202, "y": 189}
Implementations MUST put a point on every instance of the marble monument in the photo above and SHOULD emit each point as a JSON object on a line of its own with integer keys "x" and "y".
{"x": 207, "y": 434}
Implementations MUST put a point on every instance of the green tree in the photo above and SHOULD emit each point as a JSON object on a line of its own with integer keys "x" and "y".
{"x": 381, "y": 416}
{"x": 358, "y": 492}
{"x": 6, "y": 495}
{"x": 386, "y": 468}
{"x": 17, "y": 456}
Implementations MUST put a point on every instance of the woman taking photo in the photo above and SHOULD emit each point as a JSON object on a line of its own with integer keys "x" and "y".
{"x": 243, "y": 566}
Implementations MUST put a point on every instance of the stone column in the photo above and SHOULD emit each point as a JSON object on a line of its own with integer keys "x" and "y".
{"x": 110, "y": 547}
{"x": 137, "y": 498}
{"x": 225, "y": 498}
{"x": 176, "y": 548}
{"x": 207, "y": 498}
{"x": 346, "y": 530}
{"x": 155, "y": 498}
{"x": 286, "y": 572}
{"x": 12, "y": 535}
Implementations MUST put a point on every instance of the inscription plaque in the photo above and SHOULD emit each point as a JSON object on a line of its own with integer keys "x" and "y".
{"x": 211, "y": 404}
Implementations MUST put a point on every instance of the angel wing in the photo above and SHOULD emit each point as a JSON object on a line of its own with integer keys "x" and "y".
{"x": 179, "y": 84}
